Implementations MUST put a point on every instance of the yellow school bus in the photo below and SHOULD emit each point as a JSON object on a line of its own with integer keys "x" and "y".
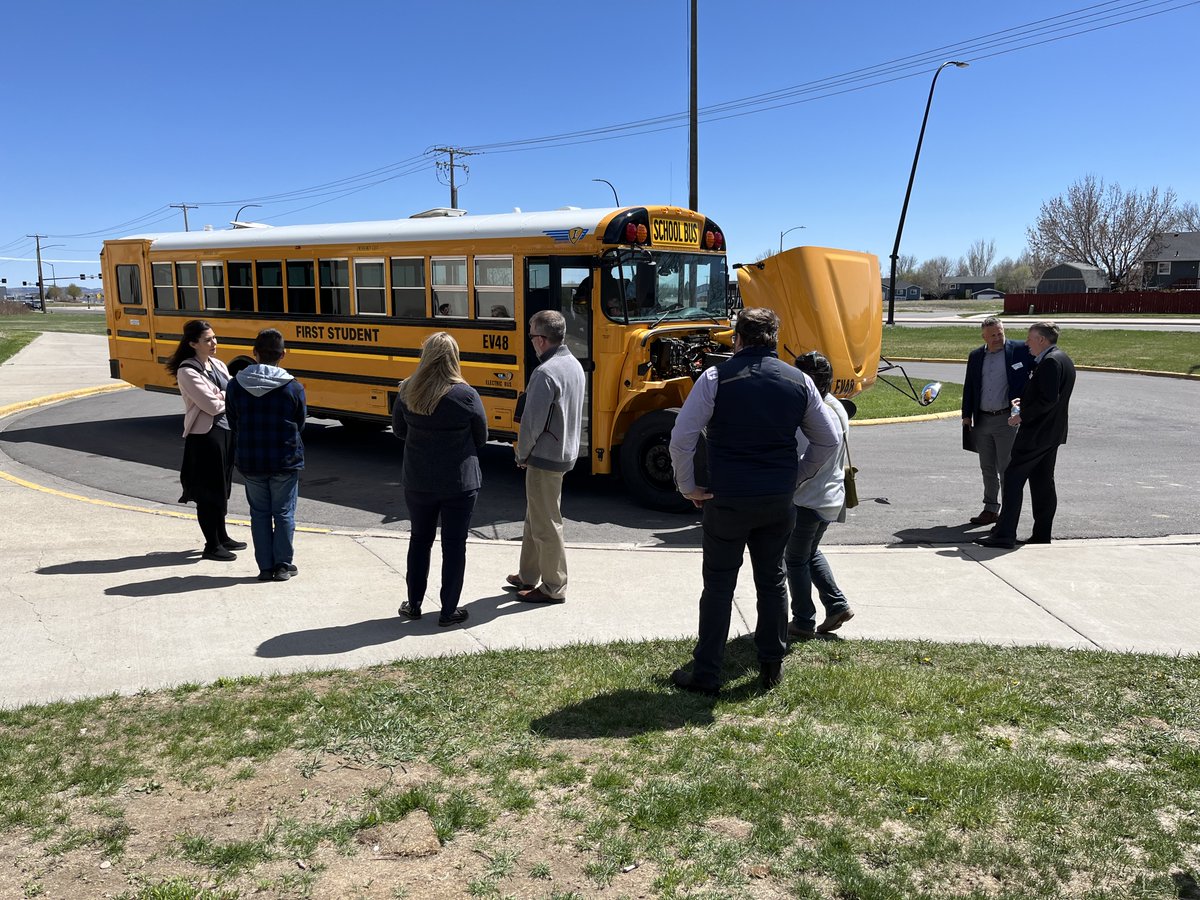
{"x": 643, "y": 291}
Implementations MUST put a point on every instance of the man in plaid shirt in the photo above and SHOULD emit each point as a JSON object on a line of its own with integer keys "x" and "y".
{"x": 266, "y": 410}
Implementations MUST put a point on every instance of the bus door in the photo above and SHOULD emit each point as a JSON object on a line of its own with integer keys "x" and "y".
{"x": 553, "y": 283}
{"x": 127, "y": 302}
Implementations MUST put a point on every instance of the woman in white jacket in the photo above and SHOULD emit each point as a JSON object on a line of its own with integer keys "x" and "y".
{"x": 207, "y": 470}
{"x": 819, "y": 501}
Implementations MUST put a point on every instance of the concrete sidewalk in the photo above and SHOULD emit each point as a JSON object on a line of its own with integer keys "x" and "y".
{"x": 98, "y": 595}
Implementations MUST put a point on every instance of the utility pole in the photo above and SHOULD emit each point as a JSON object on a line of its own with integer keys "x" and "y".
{"x": 450, "y": 166}
{"x": 693, "y": 130}
{"x": 37, "y": 238}
{"x": 185, "y": 207}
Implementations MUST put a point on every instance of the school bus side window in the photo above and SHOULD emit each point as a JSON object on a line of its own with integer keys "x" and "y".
{"x": 494, "y": 287}
{"x": 241, "y": 285}
{"x": 450, "y": 286}
{"x": 129, "y": 285}
{"x": 187, "y": 285}
{"x": 164, "y": 285}
{"x": 270, "y": 286}
{"x": 301, "y": 289}
{"x": 408, "y": 288}
{"x": 369, "y": 288}
{"x": 335, "y": 286}
{"x": 213, "y": 275}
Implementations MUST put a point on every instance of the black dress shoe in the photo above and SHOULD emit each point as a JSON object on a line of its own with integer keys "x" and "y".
{"x": 770, "y": 674}
{"x": 991, "y": 540}
{"x": 231, "y": 544}
{"x": 687, "y": 681}
{"x": 1038, "y": 540}
{"x": 220, "y": 554}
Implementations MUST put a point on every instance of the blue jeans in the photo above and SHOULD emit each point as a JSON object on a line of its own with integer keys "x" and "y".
{"x": 272, "y": 500}
{"x": 807, "y": 566}
{"x": 424, "y": 511}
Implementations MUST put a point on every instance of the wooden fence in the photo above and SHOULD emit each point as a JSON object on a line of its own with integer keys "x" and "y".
{"x": 1126, "y": 302}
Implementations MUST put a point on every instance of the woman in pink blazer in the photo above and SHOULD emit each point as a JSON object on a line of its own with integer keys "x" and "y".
{"x": 207, "y": 470}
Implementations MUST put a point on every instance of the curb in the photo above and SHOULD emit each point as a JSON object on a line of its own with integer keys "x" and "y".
{"x": 1153, "y": 373}
{"x": 58, "y": 398}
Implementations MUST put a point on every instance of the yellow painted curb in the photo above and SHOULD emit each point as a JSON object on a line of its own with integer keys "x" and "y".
{"x": 1153, "y": 373}
{"x": 66, "y": 495}
{"x": 129, "y": 507}
{"x": 57, "y": 398}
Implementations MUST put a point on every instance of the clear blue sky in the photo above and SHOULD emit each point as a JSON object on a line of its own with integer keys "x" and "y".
{"x": 112, "y": 111}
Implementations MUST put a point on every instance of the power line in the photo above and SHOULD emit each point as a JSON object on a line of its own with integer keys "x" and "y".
{"x": 1073, "y": 23}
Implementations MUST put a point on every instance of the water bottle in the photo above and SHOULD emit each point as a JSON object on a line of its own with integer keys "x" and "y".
{"x": 1015, "y": 409}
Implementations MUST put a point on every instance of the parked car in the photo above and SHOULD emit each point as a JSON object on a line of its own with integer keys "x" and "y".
{"x": 34, "y": 303}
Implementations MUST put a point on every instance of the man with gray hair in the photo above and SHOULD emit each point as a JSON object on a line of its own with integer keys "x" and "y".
{"x": 547, "y": 447}
{"x": 1042, "y": 421}
{"x": 996, "y": 373}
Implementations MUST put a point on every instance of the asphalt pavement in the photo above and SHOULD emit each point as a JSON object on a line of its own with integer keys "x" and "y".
{"x": 101, "y": 592}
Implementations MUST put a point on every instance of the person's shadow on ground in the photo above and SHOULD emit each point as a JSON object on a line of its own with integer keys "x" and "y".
{"x": 178, "y": 585}
{"x": 941, "y": 534}
{"x": 123, "y": 564}
{"x": 372, "y": 632}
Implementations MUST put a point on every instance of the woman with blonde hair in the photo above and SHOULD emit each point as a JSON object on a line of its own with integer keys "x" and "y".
{"x": 441, "y": 421}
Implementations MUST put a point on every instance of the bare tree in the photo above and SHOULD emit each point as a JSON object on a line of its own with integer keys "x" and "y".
{"x": 1014, "y": 276}
{"x": 1189, "y": 217}
{"x": 906, "y": 267}
{"x": 932, "y": 274}
{"x": 1102, "y": 225}
{"x": 980, "y": 256}
{"x": 766, "y": 253}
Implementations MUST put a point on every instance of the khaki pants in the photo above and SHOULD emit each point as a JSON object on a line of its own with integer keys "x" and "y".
{"x": 543, "y": 557}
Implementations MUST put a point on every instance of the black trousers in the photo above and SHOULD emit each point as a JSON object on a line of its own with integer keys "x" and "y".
{"x": 207, "y": 476}
{"x": 424, "y": 510}
{"x": 1038, "y": 471}
{"x": 731, "y": 525}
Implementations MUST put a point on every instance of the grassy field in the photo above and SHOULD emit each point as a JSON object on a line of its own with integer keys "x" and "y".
{"x": 877, "y": 770}
{"x": 882, "y": 402}
{"x": 24, "y": 321}
{"x": 1161, "y": 351}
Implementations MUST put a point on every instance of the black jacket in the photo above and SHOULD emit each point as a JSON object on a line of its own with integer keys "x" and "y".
{"x": 1044, "y": 405}
{"x": 441, "y": 451}
{"x": 1018, "y": 363}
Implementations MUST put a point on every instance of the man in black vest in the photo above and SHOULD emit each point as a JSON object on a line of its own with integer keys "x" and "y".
{"x": 1043, "y": 428}
{"x": 754, "y": 407}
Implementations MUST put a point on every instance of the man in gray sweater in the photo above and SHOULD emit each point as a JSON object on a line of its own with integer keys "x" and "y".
{"x": 547, "y": 447}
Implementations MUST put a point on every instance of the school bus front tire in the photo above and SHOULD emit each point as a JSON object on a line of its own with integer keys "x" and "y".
{"x": 646, "y": 462}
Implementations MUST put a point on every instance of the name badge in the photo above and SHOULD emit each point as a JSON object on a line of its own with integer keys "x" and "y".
{"x": 1018, "y": 365}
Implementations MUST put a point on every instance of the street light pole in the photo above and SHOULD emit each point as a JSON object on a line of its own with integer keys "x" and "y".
{"x": 616, "y": 199}
{"x": 891, "y": 316}
{"x": 782, "y": 233}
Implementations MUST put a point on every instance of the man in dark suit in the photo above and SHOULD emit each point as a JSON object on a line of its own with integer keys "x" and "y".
{"x": 1043, "y": 427}
{"x": 996, "y": 374}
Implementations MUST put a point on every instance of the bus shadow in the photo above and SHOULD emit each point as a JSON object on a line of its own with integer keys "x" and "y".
{"x": 129, "y": 443}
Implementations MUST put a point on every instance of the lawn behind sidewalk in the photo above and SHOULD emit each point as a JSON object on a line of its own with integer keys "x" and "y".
{"x": 1158, "y": 351}
{"x": 877, "y": 770}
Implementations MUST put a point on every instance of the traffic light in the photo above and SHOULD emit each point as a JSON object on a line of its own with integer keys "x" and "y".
{"x": 82, "y": 277}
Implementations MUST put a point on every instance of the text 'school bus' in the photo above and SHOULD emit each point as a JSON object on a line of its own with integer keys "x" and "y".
{"x": 643, "y": 290}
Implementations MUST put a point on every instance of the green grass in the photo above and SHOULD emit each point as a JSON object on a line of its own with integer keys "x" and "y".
{"x": 883, "y": 402}
{"x": 876, "y": 770}
{"x": 26, "y": 321}
{"x": 1160, "y": 351}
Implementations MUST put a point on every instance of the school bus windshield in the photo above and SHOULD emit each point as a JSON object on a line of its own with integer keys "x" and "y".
{"x": 663, "y": 286}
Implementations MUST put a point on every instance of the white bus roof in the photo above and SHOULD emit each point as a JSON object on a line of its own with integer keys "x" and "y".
{"x": 502, "y": 225}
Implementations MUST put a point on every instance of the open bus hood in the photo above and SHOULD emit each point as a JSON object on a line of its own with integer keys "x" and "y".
{"x": 827, "y": 300}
